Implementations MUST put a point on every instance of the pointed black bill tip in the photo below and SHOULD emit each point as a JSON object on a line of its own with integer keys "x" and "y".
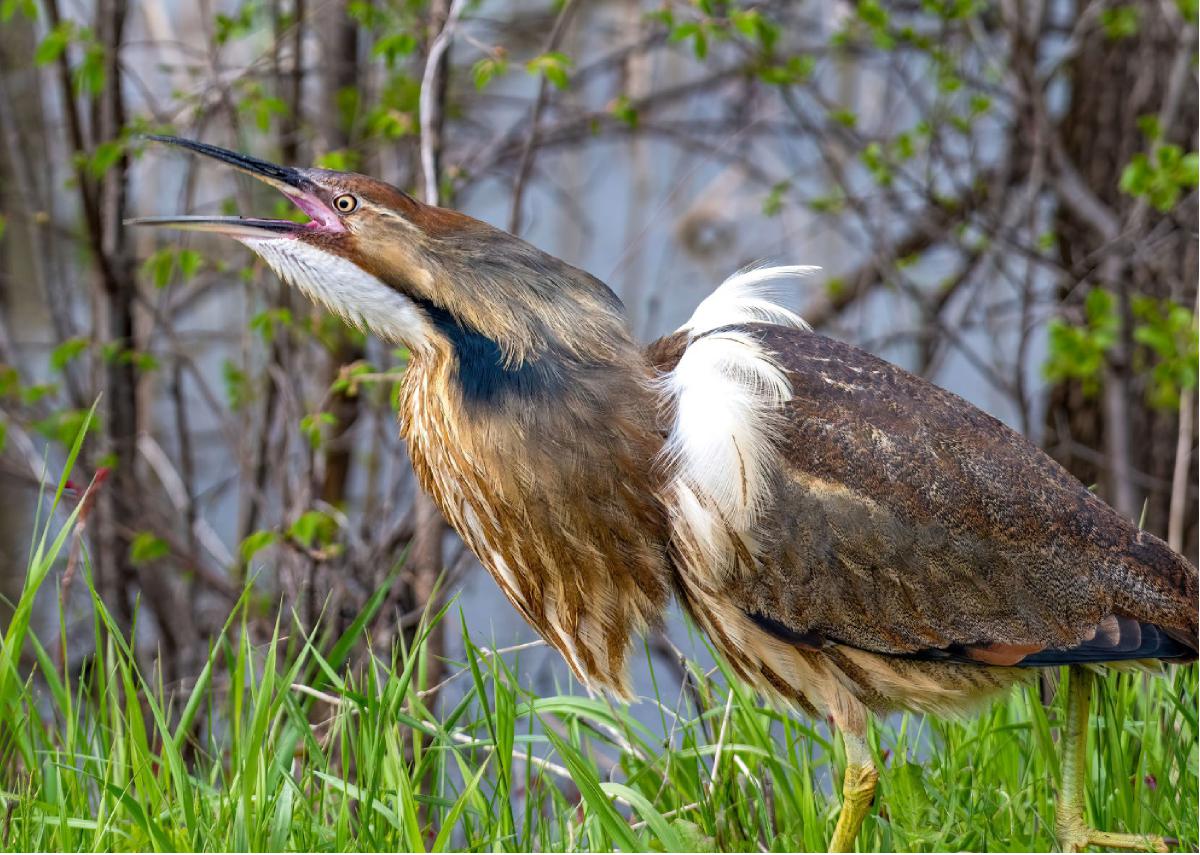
{"x": 271, "y": 173}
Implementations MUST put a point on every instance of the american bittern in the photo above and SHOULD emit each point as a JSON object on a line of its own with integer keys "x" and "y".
{"x": 852, "y": 538}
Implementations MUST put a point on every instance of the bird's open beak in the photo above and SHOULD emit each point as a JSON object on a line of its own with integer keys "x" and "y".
{"x": 293, "y": 183}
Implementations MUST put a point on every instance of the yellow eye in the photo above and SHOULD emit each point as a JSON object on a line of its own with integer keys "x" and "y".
{"x": 345, "y": 203}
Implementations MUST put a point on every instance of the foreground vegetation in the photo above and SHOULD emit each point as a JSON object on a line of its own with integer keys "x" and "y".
{"x": 288, "y": 743}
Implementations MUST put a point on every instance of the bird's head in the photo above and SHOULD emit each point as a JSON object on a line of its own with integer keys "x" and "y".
{"x": 421, "y": 276}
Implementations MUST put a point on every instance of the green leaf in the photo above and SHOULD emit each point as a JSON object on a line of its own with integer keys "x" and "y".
{"x": 1136, "y": 175}
{"x": 684, "y": 31}
{"x": 795, "y": 69}
{"x": 1161, "y": 177}
{"x": 773, "y": 203}
{"x": 442, "y": 842}
{"x": 147, "y": 547}
{"x": 692, "y": 837}
{"x": 1150, "y": 127}
{"x": 872, "y": 156}
{"x": 1187, "y": 172}
{"x": 394, "y": 46}
{"x": 64, "y": 426}
{"x": 1079, "y": 351}
{"x": 844, "y": 117}
{"x": 488, "y": 69}
{"x": 159, "y": 266}
{"x": 948, "y": 81}
{"x": 667, "y": 835}
{"x": 237, "y": 385}
{"x": 256, "y": 542}
{"x": 189, "y": 262}
{"x": 554, "y": 66}
{"x": 1168, "y": 331}
{"x": 347, "y": 379}
{"x": 268, "y": 322}
{"x": 10, "y": 382}
{"x": 752, "y": 24}
{"x": 8, "y": 8}
{"x": 598, "y": 802}
{"x": 53, "y": 45}
{"x": 366, "y": 13}
{"x": 1120, "y": 22}
{"x": 313, "y": 427}
{"x": 91, "y": 74}
{"x": 663, "y": 16}
{"x": 624, "y": 110}
{"x": 980, "y": 104}
{"x": 872, "y": 13}
{"x": 239, "y": 25}
{"x": 62, "y": 355}
{"x": 745, "y": 21}
{"x": 261, "y": 106}
{"x": 105, "y": 156}
{"x": 340, "y": 159}
{"x": 143, "y": 360}
{"x": 313, "y": 528}
{"x": 831, "y": 204}
{"x": 1101, "y": 307}
{"x": 36, "y": 392}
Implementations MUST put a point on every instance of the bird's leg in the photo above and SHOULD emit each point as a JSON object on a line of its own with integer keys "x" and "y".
{"x": 1072, "y": 832}
{"x": 858, "y": 790}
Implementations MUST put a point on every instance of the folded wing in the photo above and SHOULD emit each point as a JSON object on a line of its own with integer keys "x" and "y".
{"x": 837, "y": 499}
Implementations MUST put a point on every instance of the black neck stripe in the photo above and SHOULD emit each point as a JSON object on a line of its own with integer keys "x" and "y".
{"x": 483, "y": 376}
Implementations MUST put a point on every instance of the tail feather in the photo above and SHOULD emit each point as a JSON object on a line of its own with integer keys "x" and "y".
{"x": 1186, "y": 639}
{"x": 1117, "y": 639}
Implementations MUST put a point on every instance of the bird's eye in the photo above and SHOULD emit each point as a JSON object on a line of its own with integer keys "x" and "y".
{"x": 345, "y": 203}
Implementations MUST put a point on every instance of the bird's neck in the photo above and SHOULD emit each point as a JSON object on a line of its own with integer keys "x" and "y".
{"x": 481, "y": 372}
{"x": 547, "y": 471}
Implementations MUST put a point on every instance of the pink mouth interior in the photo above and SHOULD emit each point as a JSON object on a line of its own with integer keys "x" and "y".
{"x": 320, "y": 215}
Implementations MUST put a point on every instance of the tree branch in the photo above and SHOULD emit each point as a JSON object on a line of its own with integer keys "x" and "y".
{"x": 431, "y": 104}
{"x": 514, "y": 216}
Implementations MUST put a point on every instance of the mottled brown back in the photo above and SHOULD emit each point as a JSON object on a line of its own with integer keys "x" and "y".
{"x": 907, "y": 522}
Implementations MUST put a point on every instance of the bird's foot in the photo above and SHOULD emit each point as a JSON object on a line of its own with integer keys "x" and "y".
{"x": 858, "y": 791}
{"x": 1076, "y": 837}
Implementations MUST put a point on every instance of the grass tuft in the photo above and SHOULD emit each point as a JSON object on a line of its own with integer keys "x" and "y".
{"x": 282, "y": 744}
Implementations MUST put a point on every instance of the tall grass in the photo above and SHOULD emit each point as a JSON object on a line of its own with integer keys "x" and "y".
{"x": 281, "y": 745}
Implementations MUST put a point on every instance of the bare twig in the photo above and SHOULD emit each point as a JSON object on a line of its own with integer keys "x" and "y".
{"x": 716, "y": 767}
{"x": 543, "y": 93}
{"x": 176, "y": 491}
{"x": 430, "y": 105}
{"x": 1183, "y": 462}
{"x": 487, "y": 654}
{"x": 1177, "y": 511}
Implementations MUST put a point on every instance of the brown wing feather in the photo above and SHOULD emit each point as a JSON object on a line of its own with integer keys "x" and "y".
{"x": 907, "y": 521}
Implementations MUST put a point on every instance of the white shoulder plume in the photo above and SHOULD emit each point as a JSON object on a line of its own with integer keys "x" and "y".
{"x": 727, "y": 394}
{"x": 752, "y": 294}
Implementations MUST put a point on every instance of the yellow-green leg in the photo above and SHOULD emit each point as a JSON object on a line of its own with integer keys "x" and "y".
{"x": 1073, "y": 834}
{"x": 858, "y": 789}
